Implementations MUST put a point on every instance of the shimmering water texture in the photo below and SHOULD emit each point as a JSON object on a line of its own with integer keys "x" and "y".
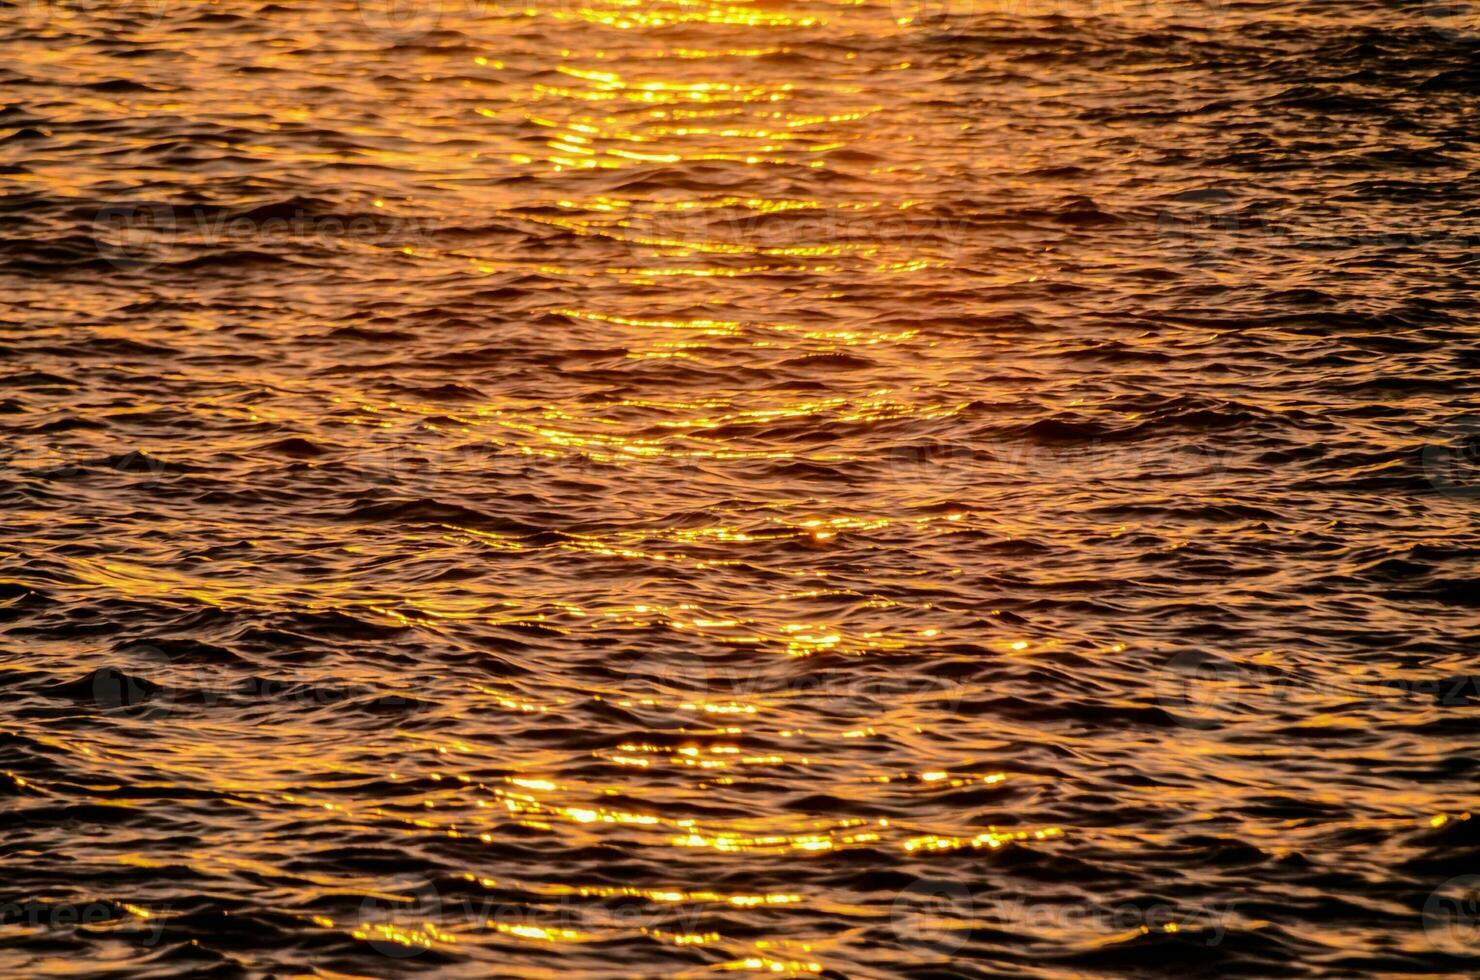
{"x": 663, "y": 489}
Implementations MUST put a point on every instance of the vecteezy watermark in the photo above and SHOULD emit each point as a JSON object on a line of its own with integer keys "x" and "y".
{"x": 409, "y": 460}
{"x": 403, "y": 923}
{"x": 1203, "y": 690}
{"x": 404, "y": 21}
{"x": 136, "y": 14}
{"x": 129, "y": 234}
{"x": 144, "y": 469}
{"x": 1451, "y": 460}
{"x": 694, "y": 684}
{"x": 149, "y": 681}
{"x": 1205, "y": 921}
{"x": 38, "y": 914}
{"x": 949, "y": 16}
{"x": 131, "y": 688}
{"x": 797, "y": 234}
{"x": 1451, "y": 916}
{"x": 132, "y": 235}
{"x": 933, "y": 915}
{"x": 1454, "y": 20}
{"x": 939, "y": 916}
{"x": 1193, "y": 687}
{"x": 1204, "y": 238}
{"x": 408, "y": 920}
{"x": 1068, "y": 462}
{"x": 401, "y": 22}
{"x": 1216, "y": 229}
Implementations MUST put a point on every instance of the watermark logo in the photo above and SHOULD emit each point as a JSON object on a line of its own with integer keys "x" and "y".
{"x": 1452, "y": 461}
{"x": 135, "y": 14}
{"x": 403, "y": 21}
{"x": 149, "y": 681}
{"x": 402, "y": 924}
{"x": 1198, "y": 689}
{"x": 413, "y": 462}
{"x": 953, "y": 16}
{"x": 1205, "y": 923}
{"x": 406, "y": 922}
{"x": 1202, "y": 690}
{"x": 731, "y": 688}
{"x": 939, "y": 916}
{"x": 939, "y": 15}
{"x": 1454, "y": 20}
{"x": 1206, "y": 238}
{"x": 39, "y": 914}
{"x": 1451, "y": 916}
{"x": 887, "y": 237}
{"x": 947, "y": 466}
{"x": 139, "y": 463}
{"x": 147, "y": 469}
{"x": 933, "y": 915}
{"x": 133, "y": 234}
{"x": 131, "y": 687}
{"x": 1209, "y": 228}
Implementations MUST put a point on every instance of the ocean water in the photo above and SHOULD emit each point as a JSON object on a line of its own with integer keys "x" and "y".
{"x": 661, "y": 488}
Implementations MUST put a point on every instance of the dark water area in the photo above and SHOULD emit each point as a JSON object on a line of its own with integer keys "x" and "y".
{"x": 662, "y": 489}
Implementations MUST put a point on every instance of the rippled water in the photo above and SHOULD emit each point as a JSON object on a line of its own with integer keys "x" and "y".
{"x": 661, "y": 488}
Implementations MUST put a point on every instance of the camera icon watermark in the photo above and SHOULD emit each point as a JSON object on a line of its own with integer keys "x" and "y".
{"x": 934, "y": 916}
{"x": 1451, "y": 916}
{"x": 1199, "y": 690}
{"x": 1454, "y": 20}
{"x": 130, "y": 235}
{"x": 1451, "y": 460}
{"x": 130, "y": 688}
{"x": 403, "y": 924}
{"x": 405, "y": 21}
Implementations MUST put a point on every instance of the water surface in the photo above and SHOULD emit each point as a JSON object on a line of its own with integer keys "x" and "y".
{"x": 670, "y": 488}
